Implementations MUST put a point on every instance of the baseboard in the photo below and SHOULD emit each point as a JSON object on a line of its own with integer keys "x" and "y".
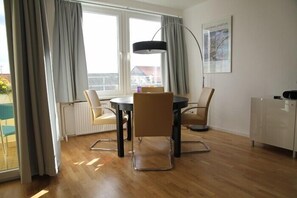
{"x": 10, "y": 175}
{"x": 229, "y": 131}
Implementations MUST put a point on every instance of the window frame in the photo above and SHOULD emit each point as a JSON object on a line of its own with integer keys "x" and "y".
{"x": 141, "y": 16}
{"x": 118, "y": 15}
{"x": 124, "y": 53}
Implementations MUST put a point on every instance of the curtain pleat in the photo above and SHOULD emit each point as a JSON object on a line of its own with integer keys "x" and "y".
{"x": 175, "y": 62}
{"x": 69, "y": 60}
{"x": 29, "y": 57}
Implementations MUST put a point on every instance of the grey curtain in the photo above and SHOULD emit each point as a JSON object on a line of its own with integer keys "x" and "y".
{"x": 175, "y": 61}
{"x": 29, "y": 57}
{"x": 69, "y": 60}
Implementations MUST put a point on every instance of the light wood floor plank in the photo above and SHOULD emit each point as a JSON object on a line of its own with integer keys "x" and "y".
{"x": 232, "y": 169}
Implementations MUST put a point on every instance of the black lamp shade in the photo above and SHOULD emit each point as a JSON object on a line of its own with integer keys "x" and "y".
{"x": 149, "y": 47}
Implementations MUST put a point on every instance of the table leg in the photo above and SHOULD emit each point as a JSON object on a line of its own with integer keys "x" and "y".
{"x": 129, "y": 125}
{"x": 177, "y": 133}
{"x": 120, "y": 136}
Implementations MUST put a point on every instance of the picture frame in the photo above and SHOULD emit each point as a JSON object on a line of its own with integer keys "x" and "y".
{"x": 217, "y": 46}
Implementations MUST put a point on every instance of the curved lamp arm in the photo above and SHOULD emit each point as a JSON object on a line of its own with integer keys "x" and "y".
{"x": 200, "y": 51}
{"x": 148, "y": 47}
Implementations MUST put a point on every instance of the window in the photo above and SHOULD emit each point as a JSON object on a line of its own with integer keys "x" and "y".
{"x": 145, "y": 69}
{"x": 8, "y": 152}
{"x": 112, "y": 67}
{"x": 101, "y": 37}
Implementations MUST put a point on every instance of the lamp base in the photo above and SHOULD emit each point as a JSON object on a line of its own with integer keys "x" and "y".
{"x": 199, "y": 128}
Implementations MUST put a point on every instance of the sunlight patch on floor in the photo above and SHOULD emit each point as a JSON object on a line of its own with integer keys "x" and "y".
{"x": 98, "y": 167}
{"x": 92, "y": 161}
{"x": 39, "y": 194}
{"x": 79, "y": 163}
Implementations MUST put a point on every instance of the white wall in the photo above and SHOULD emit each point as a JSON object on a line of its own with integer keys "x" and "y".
{"x": 264, "y": 59}
{"x": 139, "y": 5}
{"x": 125, "y": 4}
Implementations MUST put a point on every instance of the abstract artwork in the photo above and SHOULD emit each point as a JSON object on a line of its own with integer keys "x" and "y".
{"x": 217, "y": 46}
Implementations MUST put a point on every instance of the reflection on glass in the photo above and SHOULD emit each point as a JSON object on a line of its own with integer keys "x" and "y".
{"x": 101, "y": 45}
{"x": 145, "y": 68}
{"x": 8, "y": 148}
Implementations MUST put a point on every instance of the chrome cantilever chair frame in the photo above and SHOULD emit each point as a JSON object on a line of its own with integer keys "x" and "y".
{"x": 171, "y": 165}
{"x": 111, "y": 120}
{"x": 206, "y": 147}
{"x": 141, "y": 128}
{"x": 202, "y": 121}
{"x": 92, "y": 147}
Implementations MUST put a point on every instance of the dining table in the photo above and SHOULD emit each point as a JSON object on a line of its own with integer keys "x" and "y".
{"x": 125, "y": 104}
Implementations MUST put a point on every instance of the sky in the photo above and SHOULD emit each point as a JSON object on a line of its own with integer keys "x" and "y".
{"x": 4, "y": 64}
{"x": 95, "y": 36}
{"x": 100, "y": 33}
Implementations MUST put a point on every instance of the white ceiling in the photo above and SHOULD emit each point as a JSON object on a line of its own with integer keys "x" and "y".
{"x": 174, "y": 4}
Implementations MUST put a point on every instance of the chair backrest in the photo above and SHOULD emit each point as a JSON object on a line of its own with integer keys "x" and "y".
{"x": 93, "y": 101}
{"x": 6, "y": 111}
{"x": 204, "y": 101}
{"x": 153, "y": 114}
{"x": 152, "y": 89}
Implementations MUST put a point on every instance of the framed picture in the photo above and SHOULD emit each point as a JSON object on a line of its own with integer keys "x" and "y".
{"x": 217, "y": 46}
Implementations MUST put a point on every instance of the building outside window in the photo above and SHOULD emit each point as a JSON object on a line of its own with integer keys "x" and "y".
{"x": 112, "y": 67}
{"x": 9, "y": 164}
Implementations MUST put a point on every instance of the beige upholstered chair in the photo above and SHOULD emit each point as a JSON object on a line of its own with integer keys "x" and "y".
{"x": 100, "y": 115}
{"x": 198, "y": 121}
{"x": 152, "y": 118}
{"x": 152, "y": 89}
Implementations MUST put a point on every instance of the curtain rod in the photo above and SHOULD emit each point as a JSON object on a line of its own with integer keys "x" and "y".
{"x": 119, "y": 7}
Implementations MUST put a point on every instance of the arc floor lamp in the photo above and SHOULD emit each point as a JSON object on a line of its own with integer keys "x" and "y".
{"x": 153, "y": 47}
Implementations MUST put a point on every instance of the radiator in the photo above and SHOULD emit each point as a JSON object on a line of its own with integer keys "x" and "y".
{"x": 83, "y": 122}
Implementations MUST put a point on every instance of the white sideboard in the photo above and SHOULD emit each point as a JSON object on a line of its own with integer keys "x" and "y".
{"x": 274, "y": 122}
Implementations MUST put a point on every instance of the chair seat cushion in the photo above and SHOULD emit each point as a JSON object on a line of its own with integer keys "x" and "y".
{"x": 190, "y": 118}
{"x": 108, "y": 118}
{"x": 8, "y": 130}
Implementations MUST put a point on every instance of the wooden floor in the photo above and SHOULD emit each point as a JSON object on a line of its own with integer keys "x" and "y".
{"x": 232, "y": 169}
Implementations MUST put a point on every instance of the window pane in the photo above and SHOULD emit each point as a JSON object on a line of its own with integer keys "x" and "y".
{"x": 101, "y": 45}
{"x": 8, "y": 148}
{"x": 145, "y": 68}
